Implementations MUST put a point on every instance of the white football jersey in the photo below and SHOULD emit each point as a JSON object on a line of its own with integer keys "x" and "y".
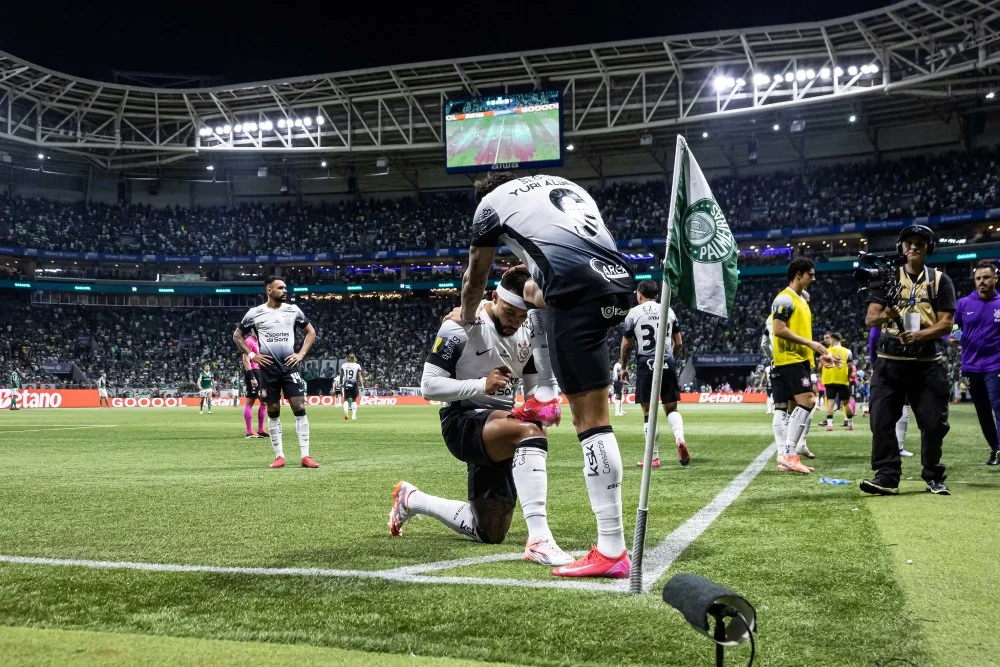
{"x": 352, "y": 373}
{"x": 554, "y": 226}
{"x": 767, "y": 339}
{"x": 275, "y": 330}
{"x": 641, "y": 325}
{"x": 472, "y": 354}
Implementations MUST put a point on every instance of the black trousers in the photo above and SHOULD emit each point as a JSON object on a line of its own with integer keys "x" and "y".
{"x": 985, "y": 390}
{"x": 925, "y": 384}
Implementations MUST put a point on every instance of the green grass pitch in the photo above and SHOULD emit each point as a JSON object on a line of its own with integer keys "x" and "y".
{"x": 825, "y": 566}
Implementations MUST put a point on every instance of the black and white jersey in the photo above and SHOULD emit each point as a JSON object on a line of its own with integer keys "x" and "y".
{"x": 640, "y": 326}
{"x": 275, "y": 331}
{"x": 469, "y": 354}
{"x": 767, "y": 339}
{"x": 352, "y": 373}
{"x": 555, "y": 228}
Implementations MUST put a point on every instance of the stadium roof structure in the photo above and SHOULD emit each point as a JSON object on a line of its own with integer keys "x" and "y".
{"x": 910, "y": 62}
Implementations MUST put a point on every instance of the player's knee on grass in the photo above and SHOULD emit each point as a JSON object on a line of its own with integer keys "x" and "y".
{"x": 493, "y": 517}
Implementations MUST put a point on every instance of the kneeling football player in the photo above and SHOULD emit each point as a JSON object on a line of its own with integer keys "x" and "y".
{"x": 476, "y": 369}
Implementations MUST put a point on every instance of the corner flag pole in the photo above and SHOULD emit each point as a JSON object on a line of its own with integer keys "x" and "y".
{"x": 639, "y": 537}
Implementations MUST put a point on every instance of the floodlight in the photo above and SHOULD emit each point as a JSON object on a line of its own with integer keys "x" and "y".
{"x": 323, "y": 163}
{"x": 778, "y": 78}
{"x": 800, "y": 75}
{"x": 281, "y": 122}
{"x": 205, "y": 131}
{"x": 41, "y": 156}
{"x": 730, "y": 82}
{"x": 570, "y": 147}
{"x": 789, "y": 77}
{"x": 776, "y": 127}
{"x": 719, "y": 83}
{"x": 704, "y": 135}
{"x": 852, "y": 70}
{"x": 760, "y": 79}
{"x": 298, "y": 122}
{"x": 810, "y": 74}
{"x": 226, "y": 129}
{"x": 267, "y": 125}
{"x": 218, "y": 129}
{"x": 740, "y": 83}
{"x": 307, "y": 121}
{"x": 852, "y": 118}
{"x": 990, "y": 95}
{"x": 873, "y": 69}
{"x": 320, "y": 120}
{"x": 210, "y": 167}
{"x": 838, "y": 72}
{"x": 824, "y": 73}
{"x": 238, "y": 128}
{"x": 250, "y": 127}
{"x": 865, "y": 70}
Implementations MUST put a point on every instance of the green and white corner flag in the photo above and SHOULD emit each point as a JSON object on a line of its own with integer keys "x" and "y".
{"x": 701, "y": 261}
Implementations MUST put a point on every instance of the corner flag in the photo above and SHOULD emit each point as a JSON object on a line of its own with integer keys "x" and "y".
{"x": 701, "y": 260}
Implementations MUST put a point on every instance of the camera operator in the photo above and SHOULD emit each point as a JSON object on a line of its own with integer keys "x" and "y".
{"x": 915, "y": 311}
{"x": 978, "y": 316}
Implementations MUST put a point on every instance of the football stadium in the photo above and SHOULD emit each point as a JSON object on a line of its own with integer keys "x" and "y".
{"x": 369, "y": 367}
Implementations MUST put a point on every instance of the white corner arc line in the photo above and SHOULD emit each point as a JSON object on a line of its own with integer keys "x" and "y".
{"x": 657, "y": 561}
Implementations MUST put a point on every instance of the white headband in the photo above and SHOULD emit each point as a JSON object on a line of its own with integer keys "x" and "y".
{"x": 511, "y": 298}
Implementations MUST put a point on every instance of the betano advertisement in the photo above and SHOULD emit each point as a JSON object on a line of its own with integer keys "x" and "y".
{"x": 87, "y": 398}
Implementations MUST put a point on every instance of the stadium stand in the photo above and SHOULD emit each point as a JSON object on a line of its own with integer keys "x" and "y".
{"x": 910, "y": 187}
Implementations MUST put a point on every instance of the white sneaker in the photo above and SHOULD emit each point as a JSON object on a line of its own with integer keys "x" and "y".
{"x": 802, "y": 450}
{"x": 546, "y": 552}
{"x": 903, "y": 452}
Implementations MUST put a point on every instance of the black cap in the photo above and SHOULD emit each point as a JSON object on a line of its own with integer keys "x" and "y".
{"x": 923, "y": 231}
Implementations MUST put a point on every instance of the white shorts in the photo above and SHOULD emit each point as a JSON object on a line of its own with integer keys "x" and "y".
{"x": 204, "y": 393}
{"x": 102, "y": 393}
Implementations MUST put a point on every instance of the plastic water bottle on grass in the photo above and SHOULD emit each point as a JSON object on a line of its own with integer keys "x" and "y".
{"x": 834, "y": 482}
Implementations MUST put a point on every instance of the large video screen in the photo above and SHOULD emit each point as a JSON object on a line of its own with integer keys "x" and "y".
{"x": 513, "y": 131}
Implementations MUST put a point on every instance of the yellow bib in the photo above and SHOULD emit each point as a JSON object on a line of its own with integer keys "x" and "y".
{"x": 837, "y": 375}
{"x": 787, "y": 352}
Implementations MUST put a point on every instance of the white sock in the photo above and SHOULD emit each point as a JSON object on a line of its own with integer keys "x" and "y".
{"x": 602, "y": 470}
{"x": 805, "y": 431}
{"x": 347, "y": 405}
{"x": 354, "y": 409}
{"x": 656, "y": 439}
{"x": 455, "y": 514}
{"x": 901, "y": 425}
{"x": 779, "y": 424}
{"x": 302, "y": 430}
{"x": 532, "y": 484}
{"x": 274, "y": 430}
{"x": 796, "y": 426}
{"x": 770, "y": 405}
{"x": 676, "y": 423}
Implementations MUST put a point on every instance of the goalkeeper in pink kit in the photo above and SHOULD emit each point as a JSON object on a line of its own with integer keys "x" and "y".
{"x": 251, "y": 377}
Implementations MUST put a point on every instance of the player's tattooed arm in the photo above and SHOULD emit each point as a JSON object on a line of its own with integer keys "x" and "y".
{"x": 474, "y": 281}
{"x": 241, "y": 343}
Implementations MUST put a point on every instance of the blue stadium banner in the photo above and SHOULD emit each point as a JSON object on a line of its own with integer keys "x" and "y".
{"x": 726, "y": 359}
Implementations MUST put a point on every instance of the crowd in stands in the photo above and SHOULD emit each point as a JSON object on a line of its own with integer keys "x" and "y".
{"x": 847, "y": 193}
{"x": 165, "y": 347}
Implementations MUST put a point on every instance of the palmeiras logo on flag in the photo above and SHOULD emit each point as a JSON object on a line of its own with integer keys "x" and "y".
{"x": 707, "y": 238}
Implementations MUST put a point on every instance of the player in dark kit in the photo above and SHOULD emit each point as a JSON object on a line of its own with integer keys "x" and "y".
{"x": 275, "y": 323}
{"x": 554, "y": 226}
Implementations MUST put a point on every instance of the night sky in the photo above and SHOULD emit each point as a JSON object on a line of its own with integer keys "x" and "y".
{"x": 249, "y": 41}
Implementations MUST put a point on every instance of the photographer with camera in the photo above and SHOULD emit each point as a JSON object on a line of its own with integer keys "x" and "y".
{"x": 914, "y": 305}
{"x": 978, "y": 317}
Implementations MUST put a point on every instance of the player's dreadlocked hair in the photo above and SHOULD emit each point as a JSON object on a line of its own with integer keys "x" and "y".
{"x": 514, "y": 279}
{"x": 491, "y": 182}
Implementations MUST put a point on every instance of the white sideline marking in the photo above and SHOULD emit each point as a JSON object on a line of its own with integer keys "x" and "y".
{"x": 656, "y": 562}
{"x": 496, "y": 157}
{"x": 65, "y": 428}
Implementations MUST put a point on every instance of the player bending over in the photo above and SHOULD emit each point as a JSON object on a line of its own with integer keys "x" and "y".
{"x": 206, "y": 383}
{"x": 354, "y": 383}
{"x": 477, "y": 369}
{"x": 641, "y": 325}
{"x": 251, "y": 378}
{"x": 554, "y": 226}
{"x": 275, "y": 323}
